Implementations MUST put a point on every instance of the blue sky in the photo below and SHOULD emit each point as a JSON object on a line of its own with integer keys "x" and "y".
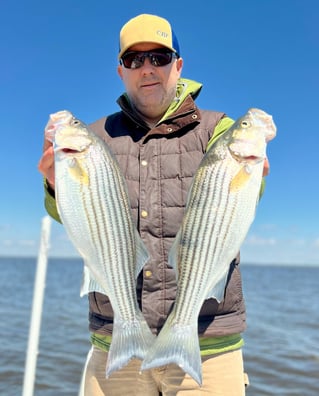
{"x": 63, "y": 55}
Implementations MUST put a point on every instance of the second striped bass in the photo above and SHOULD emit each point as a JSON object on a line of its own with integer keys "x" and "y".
{"x": 220, "y": 208}
{"x": 94, "y": 207}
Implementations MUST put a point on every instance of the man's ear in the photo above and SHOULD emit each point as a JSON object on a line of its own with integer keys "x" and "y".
{"x": 120, "y": 71}
{"x": 179, "y": 64}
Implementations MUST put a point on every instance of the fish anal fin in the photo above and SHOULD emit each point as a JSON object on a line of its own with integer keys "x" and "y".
{"x": 218, "y": 289}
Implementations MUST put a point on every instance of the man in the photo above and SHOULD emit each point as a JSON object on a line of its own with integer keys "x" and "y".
{"x": 159, "y": 138}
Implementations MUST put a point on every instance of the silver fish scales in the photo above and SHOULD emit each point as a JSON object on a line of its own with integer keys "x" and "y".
{"x": 93, "y": 205}
{"x": 220, "y": 209}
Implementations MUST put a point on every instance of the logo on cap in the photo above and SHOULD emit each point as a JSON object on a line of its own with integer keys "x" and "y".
{"x": 162, "y": 34}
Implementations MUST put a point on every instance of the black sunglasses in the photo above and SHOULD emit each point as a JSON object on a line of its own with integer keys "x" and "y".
{"x": 157, "y": 57}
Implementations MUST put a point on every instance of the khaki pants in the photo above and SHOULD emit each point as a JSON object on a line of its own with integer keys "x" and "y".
{"x": 223, "y": 375}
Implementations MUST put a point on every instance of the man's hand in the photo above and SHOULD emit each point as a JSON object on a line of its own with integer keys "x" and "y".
{"x": 46, "y": 163}
{"x": 266, "y": 167}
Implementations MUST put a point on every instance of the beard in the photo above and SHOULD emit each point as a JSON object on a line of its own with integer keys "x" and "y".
{"x": 152, "y": 105}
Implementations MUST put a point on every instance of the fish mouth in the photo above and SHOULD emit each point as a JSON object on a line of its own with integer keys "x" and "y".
{"x": 250, "y": 158}
{"x": 249, "y": 152}
{"x": 69, "y": 150}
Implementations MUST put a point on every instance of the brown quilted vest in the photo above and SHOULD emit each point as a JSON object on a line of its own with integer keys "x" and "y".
{"x": 158, "y": 165}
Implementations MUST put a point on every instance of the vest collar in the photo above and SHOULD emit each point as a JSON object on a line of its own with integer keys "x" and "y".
{"x": 186, "y": 92}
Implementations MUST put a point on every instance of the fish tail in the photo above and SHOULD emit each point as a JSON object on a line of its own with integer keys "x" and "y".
{"x": 177, "y": 344}
{"x": 130, "y": 339}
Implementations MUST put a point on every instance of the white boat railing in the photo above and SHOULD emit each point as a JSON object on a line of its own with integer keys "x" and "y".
{"x": 38, "y": 297}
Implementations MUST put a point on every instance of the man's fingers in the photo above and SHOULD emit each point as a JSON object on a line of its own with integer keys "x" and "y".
{"x": 266, "y": 167}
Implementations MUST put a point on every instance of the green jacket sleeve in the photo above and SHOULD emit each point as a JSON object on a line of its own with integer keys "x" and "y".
{"x": 224, "y": 124}
{"x": 50, "y": 203}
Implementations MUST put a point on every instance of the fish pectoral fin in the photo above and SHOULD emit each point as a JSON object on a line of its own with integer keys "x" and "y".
{"x": 78, "y": 172}
{"x": 142, "y": 254}
{"x": 240, "y": 179}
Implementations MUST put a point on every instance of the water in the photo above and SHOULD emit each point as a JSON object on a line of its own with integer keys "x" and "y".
{"x": 282, "y": 340}
{"x": 64, "y": 340}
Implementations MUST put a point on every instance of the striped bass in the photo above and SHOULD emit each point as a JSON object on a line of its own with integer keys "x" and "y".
{"x": 220, "y": 208}
{"x": 93, "y": 204}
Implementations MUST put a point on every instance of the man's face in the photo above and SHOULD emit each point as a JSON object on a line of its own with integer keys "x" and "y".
{"x": 150, "y": 88}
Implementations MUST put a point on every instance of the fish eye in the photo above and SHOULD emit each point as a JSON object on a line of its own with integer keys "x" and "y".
{"x": 245, "y": 124}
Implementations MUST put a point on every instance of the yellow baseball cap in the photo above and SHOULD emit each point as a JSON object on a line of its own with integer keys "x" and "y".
{"x": 147, "y": 28}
